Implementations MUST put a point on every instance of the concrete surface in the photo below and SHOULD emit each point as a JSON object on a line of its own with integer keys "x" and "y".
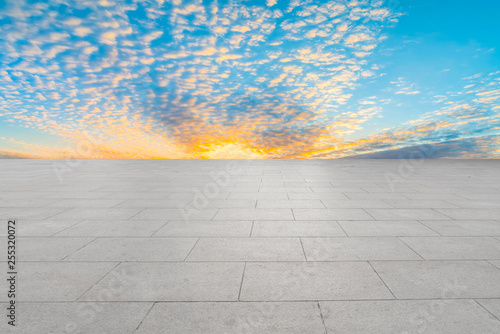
{"x": 252, "y": 246}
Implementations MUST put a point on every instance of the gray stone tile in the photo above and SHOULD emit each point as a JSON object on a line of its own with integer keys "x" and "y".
{"x": 465, "y": 228}
{"x": 492, "y": 305}
{"x": 440, "y": 279}
{"x": 56, "y": 281}
{"x": 26, "y": 202}
{"x": 406, "y": 214}
{"x": 86, "y": 203}
{"x": 45, "y": 248}
{"x": 247, "y": 249}
{"x": 408, "y": 316}
{"x": 306, "y": 281}
{"x": 285, "y": 189}
{"x": 250, "y": 188}
{"x": 332, "y": 189}
{"x": 293, "y": 228}
{"x": 422, "y": 204}
{"x": 183, "y": 195}
{"x": 113, "y": 228}
{"x": 82, "y": 317}
{"x": 153, "y": 203}
{"x": 20, "y": 195}
{"x": 135, "y": 249}
{"x": 331, "y": 214}
{"x": 374, "y": 196}
{"x": 40, "y": 228}
{"x": 455, "y": 248}
{"x": 254, "y": 214}
{"x": 141, "y": 195}
{"x": 354, "y": 204}
{"x": 73, "y": 194}
{"x": 479, "y": 197}
{"x": 357, "y": 248}
{"x": 289, "y": 204}
{"x": 471, "y": 214}
{"x": 389, "y": 190}
{"x": 389, "y": 228}
{"x": 229, "y": 317}
{"x": 495, "y": 263}
{"x": 205, "y": 228}
{"x": 96, "y": 214}
{"x": 476, "y": 204}
{"x": 329, "y": 196}
{"x": 173, "y": 282}
{"x": 257, "y": 196}
{"x": 186, "y": 213}
{"x": 228, "y": 203}
{"x": 31, "y": 214}
{"x": 435, "y": 196}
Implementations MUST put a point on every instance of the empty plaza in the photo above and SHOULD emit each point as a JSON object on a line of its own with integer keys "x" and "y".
{"x": 253, "y": 246}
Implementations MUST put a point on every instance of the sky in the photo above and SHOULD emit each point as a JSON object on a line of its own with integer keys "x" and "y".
{"x": 216, "y": 79}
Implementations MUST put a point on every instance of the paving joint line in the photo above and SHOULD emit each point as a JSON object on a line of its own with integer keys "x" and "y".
{"x": 145, "y": 316}
{"x": 241, "y": 283}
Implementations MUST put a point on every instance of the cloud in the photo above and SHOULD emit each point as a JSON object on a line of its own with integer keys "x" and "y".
{"x": 72, "y": 21}
{"x": 271, "y": 3}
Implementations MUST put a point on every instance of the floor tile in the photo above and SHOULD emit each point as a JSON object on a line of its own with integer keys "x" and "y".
{"x": 40, "y": 228}
{"x": 476, "y": 204}
{"x": 465, "y": 228}
{"x": 331, "y": 214}
{"x": 57, "y": 281}
{"x": 257, "y": 196}
{"x": 406, "y": 214}
{"x": 354, "y": 204}
{"x": 153, "y": 203}
{"x": 45, "y": 248}
{"x": 357, "y": 248}
{"x": 204, "y": 228}
{"x": 135, "y": 249}
{"x": 96, "y": 214}
{"x": 388, "y": 228}
{"x": 247, "y": 249}
{"x": 440, "y": 279}
{"x": 26, "y": 202}
{"x": 83, "y": 317}
{"x": 140, "y": 195}
{"x": 495, "y": 263}
{"x": 471, "y": 214}
{"x": 408, "y": 316}
{"x": 247, "y": 317}
{"x": 31, "y": 214}
{"x": 173, "y": 282}
{"x": 329, "y": 196}
{"x": 295, "y": 228}
{"x": 424, "y": 204}
{"x": 306, "y": 281}
{"x": 455, "y": 248}
{"x": 254, "y": 214}
{"x": 290, "y": 204}
{"x": 86, "y": 203}
{"x": 229, "y": 203}
{"x": 374, "y": 196}
{"x": 186, "y": 213}
{"x": 492, "y": 305}
{"x": 113, "y": 228}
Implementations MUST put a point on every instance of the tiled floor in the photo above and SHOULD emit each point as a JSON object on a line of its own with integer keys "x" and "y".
{"x": 252, "y": 246}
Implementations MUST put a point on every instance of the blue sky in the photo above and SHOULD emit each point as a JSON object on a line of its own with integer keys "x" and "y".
{"x": 248, "y": 79}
